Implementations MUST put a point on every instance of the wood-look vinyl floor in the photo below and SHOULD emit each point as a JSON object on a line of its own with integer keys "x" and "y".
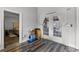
{"x": 10, "y": 42}
{"x": 43, "y": 46}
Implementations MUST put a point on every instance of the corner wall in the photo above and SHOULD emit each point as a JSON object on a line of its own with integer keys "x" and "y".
{"x": 67, "y": 18}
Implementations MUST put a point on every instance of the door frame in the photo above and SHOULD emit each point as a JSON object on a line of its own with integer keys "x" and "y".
{"x": 20, "y": 25}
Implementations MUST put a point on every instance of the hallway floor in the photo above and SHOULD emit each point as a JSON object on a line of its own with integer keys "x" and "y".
{"x": 44, "y": 45}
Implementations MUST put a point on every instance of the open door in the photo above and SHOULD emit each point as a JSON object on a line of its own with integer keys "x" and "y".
{"x": 11, "y": 30}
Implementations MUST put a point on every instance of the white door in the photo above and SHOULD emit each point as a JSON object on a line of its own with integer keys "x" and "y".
{"x": 69, "y": 29}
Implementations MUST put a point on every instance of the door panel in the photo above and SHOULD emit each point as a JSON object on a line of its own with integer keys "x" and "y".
{"x": 69, "y": 29}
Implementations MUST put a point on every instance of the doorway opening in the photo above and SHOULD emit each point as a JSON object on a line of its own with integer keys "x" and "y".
{"x": 11, "y": 29}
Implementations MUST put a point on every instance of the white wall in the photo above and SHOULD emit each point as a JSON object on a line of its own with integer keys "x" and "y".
{"x": 77, "y": 30}
{"x": 29, "y": 17}
{"x": 67, "y": 17}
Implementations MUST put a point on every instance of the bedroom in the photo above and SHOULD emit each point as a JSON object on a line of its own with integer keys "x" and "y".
{"x": 32, "y": 18}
